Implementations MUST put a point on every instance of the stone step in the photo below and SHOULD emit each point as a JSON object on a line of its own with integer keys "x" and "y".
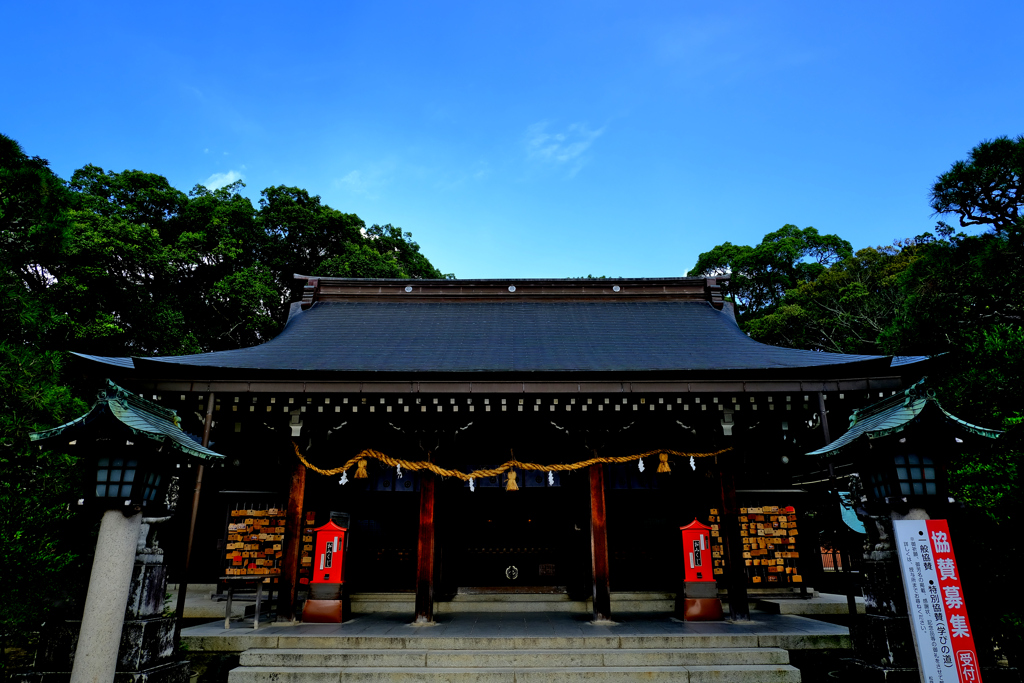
{"x": 627, "y": 602}
{"x": 511, "y": 642}
{"x": 564, "y": 606}
{"x": 550, "y": 658}
{"x": 609, "y": 674}
{"x": 461, "y": 598}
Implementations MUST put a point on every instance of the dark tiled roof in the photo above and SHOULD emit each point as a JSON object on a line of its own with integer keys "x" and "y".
{"x": 512, "y": 337}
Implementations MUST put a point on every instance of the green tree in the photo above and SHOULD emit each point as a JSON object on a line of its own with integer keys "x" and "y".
{"x": 391, "y": 241}
{"x": 846, "y": 308}
{"x": 759, "y": 276}
{"x": 122, "y": 263}
{"x": 299, "y": 233}
{"x": 985, "y": 189}
{"x": 361, "y": 260}
{"x": 962, "y": 303}
{"x": 303, "y": 236}
{"x": 233, "y": 293}
{"x": 34, "y": 486}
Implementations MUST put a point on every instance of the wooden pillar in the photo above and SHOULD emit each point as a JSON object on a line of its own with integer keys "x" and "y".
{"x": 425, "y": 552}
{"x": 823, "y": 416}
{"x": 288, "y": 590}
{"x": 599, "y": 545}
{"x": 736, "y": 574}
{"x": 179, "y": 612}
{"x": 840, "y": 535}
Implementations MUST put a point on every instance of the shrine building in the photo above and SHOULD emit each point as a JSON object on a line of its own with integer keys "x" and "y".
{"x": 542, "y": 436}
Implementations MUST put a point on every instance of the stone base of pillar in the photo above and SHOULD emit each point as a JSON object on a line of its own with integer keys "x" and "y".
{"x": 127, "y": 588}
{"x": 172, "y": 672}
{"x": 146, "y": 645}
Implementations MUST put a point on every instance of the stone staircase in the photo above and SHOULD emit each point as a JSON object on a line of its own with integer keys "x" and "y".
{"x": 548, "y": 661}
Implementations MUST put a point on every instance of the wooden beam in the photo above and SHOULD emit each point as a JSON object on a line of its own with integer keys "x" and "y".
{"x": 425, "y": 552}
{"x": 288, "y": 590}
{"x": 736, "y": 573}
{"x": 599, "y": 545}
{"x": 754, "y": 384}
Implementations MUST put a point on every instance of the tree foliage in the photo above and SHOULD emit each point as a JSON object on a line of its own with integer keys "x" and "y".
{"x": 123, "y": 263}
{"x": 985, "y": 189}
{"x": 34, "y": 485}
{"x": 949, "y": 295}
{"x": 846, "y": 308}
{"x": 760, "y": 276}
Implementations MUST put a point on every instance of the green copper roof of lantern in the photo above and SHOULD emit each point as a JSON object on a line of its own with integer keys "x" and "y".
{"x": 848, "y": 514}
{"x": 892, "y": 415}
{"x": 140, "y": 417}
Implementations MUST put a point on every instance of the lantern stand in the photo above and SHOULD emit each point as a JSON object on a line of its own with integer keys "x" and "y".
{"x": 129, "y": 442}
{"x": 900, "y": 447}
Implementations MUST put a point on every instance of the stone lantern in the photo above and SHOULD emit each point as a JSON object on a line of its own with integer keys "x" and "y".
{"x": 132, "y": 445}
{"x": 900, "y": 447}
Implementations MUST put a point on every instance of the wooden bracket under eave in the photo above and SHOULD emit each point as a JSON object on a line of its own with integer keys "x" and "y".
{"x": 310, "y": 292}
{"x": 713, "y": 292}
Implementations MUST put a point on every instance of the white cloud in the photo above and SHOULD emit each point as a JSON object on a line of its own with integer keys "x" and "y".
{"x": 369, "y": 182}
{"x": 219, "y": 180}
{"x": 566, "y": 148}
{"x": 481, "y": 170}
{"x": 355, "y": 181}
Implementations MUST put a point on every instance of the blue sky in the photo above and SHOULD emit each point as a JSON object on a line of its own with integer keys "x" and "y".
{"x": 532, "y": 139}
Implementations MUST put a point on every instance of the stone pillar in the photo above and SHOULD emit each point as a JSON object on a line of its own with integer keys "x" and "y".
{"x": 882, "y": 642}
{"x": 105, "y": 603}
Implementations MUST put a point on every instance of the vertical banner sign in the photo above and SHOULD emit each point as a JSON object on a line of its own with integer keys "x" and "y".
{"x": 935, "y": 602}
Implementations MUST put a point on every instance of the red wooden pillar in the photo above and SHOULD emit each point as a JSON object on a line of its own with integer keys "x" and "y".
{"x": 736, "y": 573}
{"x": 425, "y": 552}
{"x": 599, "y": 545}
{"x": 293, "y": 540}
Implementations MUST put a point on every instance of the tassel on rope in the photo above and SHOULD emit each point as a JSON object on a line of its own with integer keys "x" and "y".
{"x": 663, "y": 465}
{"x": 511, "y": 486}
{"x": 344, "y": 478}
{"x": 551, "y": 478}
{"x": 693, "y": 464}
{"x": 361, "y": 470}
{"x": 472, "y": 485}
{"x": 398, "y": 472}
{"x": 640, "y": 464}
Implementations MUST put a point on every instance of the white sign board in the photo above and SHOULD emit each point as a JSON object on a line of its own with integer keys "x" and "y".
{"x": 935, "y": 602}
